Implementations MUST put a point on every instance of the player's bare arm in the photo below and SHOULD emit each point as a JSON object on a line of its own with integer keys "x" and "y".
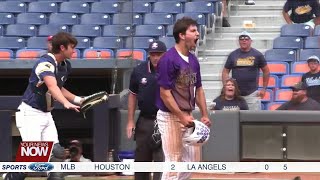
{"x": 225, "y": 74}
{"x": 51, "y": 83}
{"x": 132, "y": 100}
{"x": 71, "y": 97}
{"x": 201, "y": 103}
{"x": 266, "y": 75}
{"x": 167, "y": 98}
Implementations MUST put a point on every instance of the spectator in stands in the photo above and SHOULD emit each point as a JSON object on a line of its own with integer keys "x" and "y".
{"x": 225, "y": 22}
{"x": 302, "y": 11}
{"x": 230, "y": 98}
{"x": 245, "y": 63}
{"x": 300, "y": 100}
{"x": 74, "y": 152}
{"x": 143, "y": 88}
{"x": 312, "y": 78}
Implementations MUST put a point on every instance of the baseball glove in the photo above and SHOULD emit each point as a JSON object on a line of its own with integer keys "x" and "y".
{"x": 93, "y": 100}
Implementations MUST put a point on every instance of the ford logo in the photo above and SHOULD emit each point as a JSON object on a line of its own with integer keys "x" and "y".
{"x": 41, "y": 167}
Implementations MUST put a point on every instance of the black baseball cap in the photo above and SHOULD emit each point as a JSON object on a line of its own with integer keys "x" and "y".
{"x": 299, "y": 86}
{"x": 157, "y": 46}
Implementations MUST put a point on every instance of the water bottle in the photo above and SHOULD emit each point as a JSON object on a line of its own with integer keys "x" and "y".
{"x": 99, "y": 54}
{"x": 110, "y": 159}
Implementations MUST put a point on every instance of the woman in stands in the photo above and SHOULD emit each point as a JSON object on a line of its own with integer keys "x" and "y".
{"x": 230, "y": 99}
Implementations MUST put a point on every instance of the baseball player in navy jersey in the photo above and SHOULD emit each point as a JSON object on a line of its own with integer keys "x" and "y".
{"x": 179, "y": 78}
{"x": 34, "y": 120}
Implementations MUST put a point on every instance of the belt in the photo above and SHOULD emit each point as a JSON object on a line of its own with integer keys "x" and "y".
{"x": 148, "y": 116}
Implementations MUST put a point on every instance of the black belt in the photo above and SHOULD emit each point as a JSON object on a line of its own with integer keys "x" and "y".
{"x": 148, "y": 116}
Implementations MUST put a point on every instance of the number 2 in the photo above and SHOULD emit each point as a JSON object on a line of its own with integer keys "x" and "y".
{"x": 173, "y": 167}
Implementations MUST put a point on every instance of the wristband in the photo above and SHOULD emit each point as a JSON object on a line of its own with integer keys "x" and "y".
{"x": 77, "y": 100}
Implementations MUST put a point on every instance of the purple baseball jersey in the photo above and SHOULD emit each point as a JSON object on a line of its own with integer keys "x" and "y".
{"x": 181, "y": 77}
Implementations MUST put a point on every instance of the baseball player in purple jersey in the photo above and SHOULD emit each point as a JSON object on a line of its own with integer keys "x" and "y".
{"x": 34, "y": 120}
{"x": 179, "y": 79}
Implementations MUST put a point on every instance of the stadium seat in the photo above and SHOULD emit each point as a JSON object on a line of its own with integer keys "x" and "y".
{"x": 51, "y": 29}
{"x": 98, "y": 54}
{"x": 199, "y": 17}
{"x": 96, "y": 19}
{"x": 273, "y": 81}
{"x": 23, "y": 30}
{"x": 306, "y": 53}
{"x": 300, "y": 30}
{"x": 168, "y": 41}
{"x": 278, "y": 68}
{"x": 108, "y": 43}
{"x": 56, "y": 1}
{"x": 158, "y": 18}
{"x": 6, "y": 18}
{"x": 169, "y": 30}
{"x": 117, "y": 30}
{"x": 6, "y": 54}
{"x": 136, "y": 7}
{"x": 175, "y": 0}
{"x": 138, "y": 42}
{"x": 105, "y": 7}
{"x": 289, "y": 80}
{"x": 205, "y": 7}
{"x": 317, "y": 31}
{"x": 288, "y": 43}
{"x": 149, "y": 30}
{"x": 127, "y": 18}
{"x": 86, "y": 30}
{"x": 78, "y": 7}
{"x": 28, "y": 54}
{"x": 268, "y": 96}
{"x": 37, "y": 42}
{"x": 24, "y": 1}
{"x": 64, "y": 18}
{"x": 283, "y": 95}
{"x": 87, "y": 1}
{"x": 281, "y": 55}
{"x": 12, "y": 6}
{"x": 273, "y": 105}
{"x": 312, "y": 42}
{"x": 76, "y": 54}
{"x": 83, "y": 42}
{"x": 43, "y": 7}
{"x": 32, "y": 18}
{"x": 172, "y": 7}
{"x": 136, "y": 54}
{"x": 12, "y": 43}
{"x": 300, "y": 67}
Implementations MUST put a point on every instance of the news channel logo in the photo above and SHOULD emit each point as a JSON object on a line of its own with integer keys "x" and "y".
{"x": 41, "y": 167}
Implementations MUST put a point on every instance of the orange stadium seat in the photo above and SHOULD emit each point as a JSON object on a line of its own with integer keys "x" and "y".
{"x": 268, "y": 96}
{"x": 94, "y": 54}
{"x": 273, "y": 81}
{"x": 278, "y": 68}
{"x": 283, "y": 95}
{"x": 138, "y": 54}
{"x": 6, "y": 54}
{"x": 290, "y": 79}
{"x": 274, "y": 105}
{"x": 76, "y": 54}
{"x": 29, "y": 54}
{"x": 300, "y": 67}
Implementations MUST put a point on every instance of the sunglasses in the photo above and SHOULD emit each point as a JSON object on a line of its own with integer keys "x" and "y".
{"x": 244, "y": 38}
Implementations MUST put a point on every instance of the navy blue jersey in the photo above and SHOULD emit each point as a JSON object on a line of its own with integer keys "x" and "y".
{"x": 36, "y": 95}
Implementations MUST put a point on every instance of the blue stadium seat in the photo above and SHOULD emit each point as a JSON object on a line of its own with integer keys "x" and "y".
{"x": 87, "y": 1}
{"x": 24, "y": 1}
{"x": 105, "y": 7}
{"x": 299, "y": 67}
{"x": 95, "y": 18}
{"x": 172, "y": 7}
{"x": 149, "y": 30}
{"x": 12, "y": 43}
{"x": 204, "y": 7}
{"x": 278, "y": 68}
{"x": 136, "y": 7}
{"x": 273, "y": 81}
{"x": 168, "y": 41}
{"x": 317, "y": 31}
{"x": 175, "y": 0}
{"x": 74, "y": 7}
{"x": 306, "y": 53}
{"x": 56, "y": 1}
{"x": 32, "y": 18}
{"x": 199, "y": 17}
{"x": 37, "y": 42}
{"x": 86, "y": 30}
{"x": 268, "y": 96}
{"x": 288, "y": 43}
{"x": 83, "y": 42}
{"x": 281, "y": 55}
{"x": 108, "y": 42}
{"x": 300, "y": 30}
{"x": 43, "y": 7}
{"x": 158, "y": 18}
{"x": 51, "y": 29}
{"x": 127, "y": 18}
{"x": 312, "y": 42}
{"x": 6, "y": 54}
{"x": 64, "y": 18}
{"x": 117, "y": 30}
{"x": 6, "y": 18}
{"x": 27, "y": 54}
{"x": 169, "y": 30}
{"x": 12, "y": 6}
{"x": 23, "y": 30}
{"x": 138, "y": 42}
{"x": 289, "y": 80}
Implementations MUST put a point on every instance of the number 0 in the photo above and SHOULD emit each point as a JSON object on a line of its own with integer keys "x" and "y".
{"x": 266, "y": 167}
